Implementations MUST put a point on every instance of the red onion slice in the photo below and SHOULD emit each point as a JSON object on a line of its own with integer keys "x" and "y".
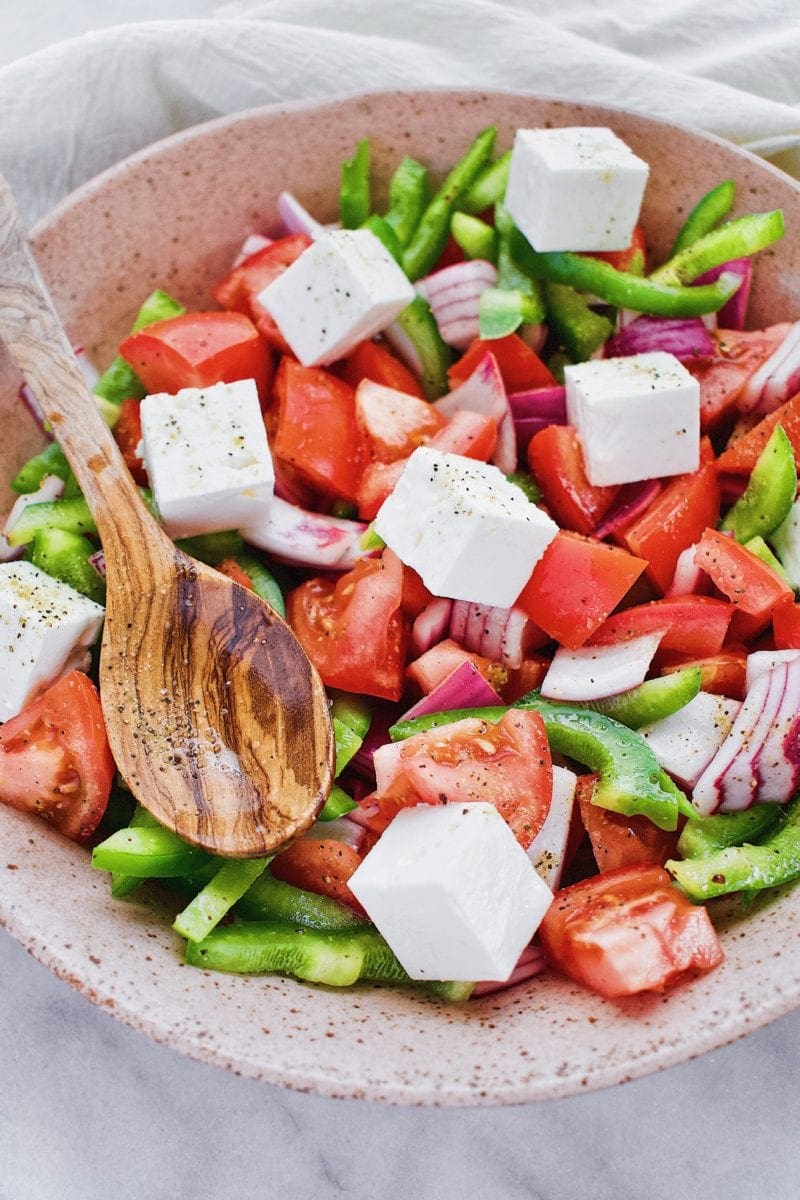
{"x": 251, "y": 245}
{"x": 777, "y": 762}
{"x": 707, "y": 794}
{"x": 739, "y": 785}
{"x": 454, "y": 296}
{"x": 98, "y": 561}
{"x": 772, "y": 383}
{"x": 685, "y": 338}
{"x": 500, "y": 634}
{"x": 733, "y": 312}
{"x": 761, "y": 662}
{"x": 307, "y": 539}
{"x": 689, "y": 579}
{"x": 431, "y": 625}
{"x": 633, "y": 500}
{"x": 526, "y": 429}
{"x": 530, "y": 964}
{"x": 594, "y": 672}
{"x": 484, "y": 392}
{"x": 686, "y": 742}
{"x": 464, "y": 687}
{"x": 548, "y": 848}
{"x": 540, "y": 402}
{"x": 296, "y": 218}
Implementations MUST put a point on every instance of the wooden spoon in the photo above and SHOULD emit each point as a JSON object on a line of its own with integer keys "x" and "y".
{"x": 216, "y": 718}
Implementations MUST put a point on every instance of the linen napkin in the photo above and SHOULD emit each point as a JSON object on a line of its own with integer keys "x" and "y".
{"x": 71, "y": 110}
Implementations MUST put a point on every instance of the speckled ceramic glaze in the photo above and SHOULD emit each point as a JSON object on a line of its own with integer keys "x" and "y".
{"x": 173, "y": 216}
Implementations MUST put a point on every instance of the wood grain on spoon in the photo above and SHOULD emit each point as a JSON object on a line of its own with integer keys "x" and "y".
{"x": 216, "y": 718}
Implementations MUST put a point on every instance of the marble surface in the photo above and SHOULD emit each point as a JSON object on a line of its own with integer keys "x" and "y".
{"x": 89, "y": 1109}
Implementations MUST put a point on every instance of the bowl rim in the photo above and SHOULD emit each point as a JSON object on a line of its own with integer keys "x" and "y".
{"x": 91, "y": 985}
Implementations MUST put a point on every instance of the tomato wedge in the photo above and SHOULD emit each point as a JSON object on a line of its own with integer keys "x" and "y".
{"x": 752, "y": 586}
{"x": 128, "y": 432}
{"x": 319, "y": 865}
{"x": 575, "y": 585}
{"x": 743, "y": 454}
{"x": 628, "y": 931}
{"x": 316, "y": 431}
{"x": 393, "y": 424}
{"x": 786, "y": 626}
{"x": 620, "y": 841}
{"x": 240, "y": 289}
{"x": 507, "y": 765}
{"x": 372, "y": 361}
{"x": 354, "y": 630}
{"x": 692, "y": 624}
{"x": 55, "y": 759}
{"x": 197, "y": 350}
{"x": 520, "y": 367}
{"x": 675, "y": 520}
{"x": 739, "y": 355}
{"x": 723, "y": 674}
{"x": 556, "y": 459}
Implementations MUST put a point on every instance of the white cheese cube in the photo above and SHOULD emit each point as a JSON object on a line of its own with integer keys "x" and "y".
{"x": 464, "y": 528}
{"x": 637, "y": 417}
{"x": 576, "y": 188}
{"x": 344, "y": 288}
{"x": 686, "y": 742}
{"x": 548, "y": 848}
{"x": 46, "y": 629}
{"x": 452, "y": 891}
{"x": 206, "y": 453}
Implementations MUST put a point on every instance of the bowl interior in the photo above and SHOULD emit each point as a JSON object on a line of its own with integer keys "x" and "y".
{"x": 173, "y": 216}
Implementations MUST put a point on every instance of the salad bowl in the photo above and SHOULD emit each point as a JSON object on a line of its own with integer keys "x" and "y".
{"x": 173, "y": 216}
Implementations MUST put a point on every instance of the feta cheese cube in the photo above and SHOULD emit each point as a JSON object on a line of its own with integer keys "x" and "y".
{"x": 686, "y": 742}
{"x": 206, "y": 453}
{"x": 469, "y": 533}
{"x": 637, "y": 418}
{"x": 452, "y": 892}
{"x": 576, "y": 188}
{"x": 344, "y": 288}
{"x": 548, "y": 848}
{"x": 46, "y": 629}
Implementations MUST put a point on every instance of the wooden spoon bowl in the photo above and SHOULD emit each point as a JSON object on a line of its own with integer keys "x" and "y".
{"x": 216, "y": 718}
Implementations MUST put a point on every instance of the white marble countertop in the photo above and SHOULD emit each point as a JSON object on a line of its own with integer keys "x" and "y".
{"x": 90, "y": 1109}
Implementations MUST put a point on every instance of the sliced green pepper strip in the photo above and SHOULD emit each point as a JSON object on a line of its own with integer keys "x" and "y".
{"x": 50, "y": 461}
{"x": 352, "y": 710}
{"x": 120, "y": 382}
{"x": 770, "y": 492}
{"x": 151, "y": 853}
{"x": 65, "y": 556}
{"x": 510, "y": 275}
{"x": 354, "y": 195}
{"x": 475, "y": 237}
{"x": 430, "y": 236}
{"x": 217, "y": 898}
{"x": 736, "y": 868}
{"x": 337, "y": 804}
{"x": 501, "y": 312}
{"x": 121, "y": 884}
{"x": 488, "y": 189}
{"x": 705, "y": 835}
{"x": 270, "y": 899}
{"x": 735, "y": 239}
{"x": 264, "y": 583}
{"x": 623, "y": 289}
{"x": 527, "y": 484}
{"x": 576, "y": 325}
{"x": 409, "y": 193}
{"x": 653, "y": 700}
{"x": 213, "y": 548}
{"x": 759, "y": 547}
{"x": 631, "y": 781}
{"x": 371, "y": 540}
{"x": 348, "y": 743}
{"x": 71, "y": 515}
{"x": 705, "y": 216}
{"x": 419, "y": 326}
{"x": 385, "y": 234}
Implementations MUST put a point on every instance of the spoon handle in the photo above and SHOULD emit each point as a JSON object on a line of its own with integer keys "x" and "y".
{"x": 35, "y": 337}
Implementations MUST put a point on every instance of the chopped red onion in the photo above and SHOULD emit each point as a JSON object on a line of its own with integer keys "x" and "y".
{"x": 362, "y": 762}
{"x": 307, "y": 539}
{"x": 500, "y": 634}
{"x": 740, "y": 782}
{"x": 526, "y": 429}
{"x": 685, "y": 338}
{"x": 719, "y": 784}
{"x": 454, "y": 296}
{"x": 296, "y": 218}
{"x": 431, "y": 625}
{"x": 484, "y": 392}
{"x": 404, "y": 348}
{"x": 689, "y": 579}
{"x": 98, "y": 561}
{"x": 633, "y": 500}
{"x": 50, "y": 488}
{"x": 548, "y": 402}
{"x": 762, "y": 661}
{"x": 530, "y": 963}
{"x": 548, "y": 848}
{"x": 776, "y": 380}
{"x": 733, "y": 313}
{"x": 686, "y": 742}
{"x": 777, "y": 762}
{"x": 594, "y": 672}
{"x": 464, "y": 687}
{"x": 251, "y": 245}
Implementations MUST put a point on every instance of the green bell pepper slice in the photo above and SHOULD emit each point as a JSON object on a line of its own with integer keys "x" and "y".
{"x": 502, "y": 311}
{"x": 475, "y": 237}
{"x": 348, "y": 743}
{"x": 418, "y": 324}
{"x": 653, "y": 700}
{"x": 120, "y": 382}
{"x": 735, "y": 239}
{"x": 270, "y": 899}
{"x": 354, "y": 191}
{"x": 409, "y": 194}
{"x": 577, "y": 326}
{"x": 705, "y": 835}
{"x": 771, "y": 863}
{"x": 705, "y": 216}
{"x": 385, "y": 234}
{"x": 70, "y": 516}
{"x": 352, "y": 710}
{"x": 148, "y": 852}
{"x": 430, "y": 236}
{"x": 65, "y": 556}
{"x": 488, "y": 189}
{"x": 770, "y": 492}
{"x": 217, "y": 898}
{"x": 264, "y": 583}
{"x": 337, "y": 804}
{"x": 50, "y": 461}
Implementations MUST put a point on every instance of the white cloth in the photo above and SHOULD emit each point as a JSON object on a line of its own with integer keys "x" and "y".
{"x": 74, "y": 108}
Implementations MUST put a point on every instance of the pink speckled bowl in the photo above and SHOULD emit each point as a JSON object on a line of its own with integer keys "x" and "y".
{"x": 173, "y": 216}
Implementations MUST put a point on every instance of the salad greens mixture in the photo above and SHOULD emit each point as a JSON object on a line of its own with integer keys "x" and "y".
{"x": 528, "y": 501}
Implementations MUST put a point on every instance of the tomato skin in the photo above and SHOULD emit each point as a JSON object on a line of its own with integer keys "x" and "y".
{"x": 316, "y": 431}
{"x": 750, "y": 585}
{"x": 739, "y": 355}
{"x": 416, "y": 596}
{"x": 575, "y": 585}
{"x": 55, "y": 760}
{"x": 693, "y": 624}
{"x": 525, "y": 678}
{"x": 621, "y": 259}
{"x": 319, "y": 865}
{"x": 507, "y": 765}
{"x": 520, "y": 367}
{"x": 786, "y": 626}
{"x": 198, "y": 350}
{"x": 393, "y": 424}
{"x": 628, "y": 931}
{"x": 353, "y": 629}
{"x": 620, "y": 841}
{"x": 723, "y": 674}
{"x": 241, "y": 287}
{"x": 556, "y": 461}
{"x": 740, "y": 457}
{"x": 676, "y": 519}
{"x": 372, "y": 361}
{"x": 232, "y": 570}
{"x": 128, "y": 433}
